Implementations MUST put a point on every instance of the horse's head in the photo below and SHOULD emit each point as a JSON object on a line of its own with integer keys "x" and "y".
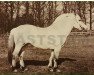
{"x": 78, "y": 23}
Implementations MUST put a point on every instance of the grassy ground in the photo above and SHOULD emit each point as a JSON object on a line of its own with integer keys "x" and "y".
{"x": 77, "y": 55}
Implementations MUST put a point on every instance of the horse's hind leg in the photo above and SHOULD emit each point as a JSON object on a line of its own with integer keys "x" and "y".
{"x": 15, "y": 56}
{"x": 22, "y": 65}
{"x": 21, "y": 60}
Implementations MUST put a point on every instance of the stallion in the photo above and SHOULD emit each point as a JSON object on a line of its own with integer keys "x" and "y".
{"x": 52, "y": 37}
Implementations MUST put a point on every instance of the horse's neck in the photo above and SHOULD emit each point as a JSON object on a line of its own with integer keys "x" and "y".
{"x": 62, "y": 27}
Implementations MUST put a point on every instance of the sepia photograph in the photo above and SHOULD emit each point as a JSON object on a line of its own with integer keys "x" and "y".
{"x": 48, "y": 37}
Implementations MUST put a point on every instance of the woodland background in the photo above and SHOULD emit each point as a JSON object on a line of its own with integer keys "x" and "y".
{"x": 42, "y": 13}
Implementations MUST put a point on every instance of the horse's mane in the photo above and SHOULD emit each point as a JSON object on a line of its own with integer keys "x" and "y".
{"x": 62, "y": 19}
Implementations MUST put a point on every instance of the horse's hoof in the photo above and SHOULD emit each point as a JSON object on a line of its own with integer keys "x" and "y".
{"x": 26, "y": 69}
{"x": 51, "y": 69}
{"x": 57, "y": 70}
{"x": 23, "y": 69}
{"x": 15, "y": 71}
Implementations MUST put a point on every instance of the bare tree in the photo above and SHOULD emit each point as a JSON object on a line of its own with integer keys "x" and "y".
{"x": 38, "y": 12}
{"x": 41, "y": 14}
{"x": 11, "y": 10}
{"x": 84, "y": 11}
{"x": 27, "y": 7}
{"x": 90, "y": 15}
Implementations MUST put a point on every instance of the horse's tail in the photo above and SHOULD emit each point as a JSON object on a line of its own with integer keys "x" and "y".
{"x": 11, "y": 47}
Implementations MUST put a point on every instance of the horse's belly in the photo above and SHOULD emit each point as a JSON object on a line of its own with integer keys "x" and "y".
{"x": 45, "y": 42}
{"x": 40, "y": 43}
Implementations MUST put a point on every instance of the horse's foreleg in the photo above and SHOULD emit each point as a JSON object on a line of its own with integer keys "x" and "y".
{"x": 51, "y": 59}
{"x": 55, "y": 63}
{"x": 56, "y": 58}
{"x": 15, "y": 56}
{"x": 56, "y": 52}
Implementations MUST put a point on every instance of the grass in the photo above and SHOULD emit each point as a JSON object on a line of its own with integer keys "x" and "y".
{"x": 79, "y": 48}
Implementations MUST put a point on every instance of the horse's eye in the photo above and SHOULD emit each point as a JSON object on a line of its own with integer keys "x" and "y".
{"x": 80, "y": 20}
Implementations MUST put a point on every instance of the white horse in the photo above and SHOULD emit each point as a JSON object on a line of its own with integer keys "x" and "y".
{"x": 52, "y": 37}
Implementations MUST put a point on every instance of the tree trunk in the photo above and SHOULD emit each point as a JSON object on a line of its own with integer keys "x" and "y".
{"x": 27, "y": 7}
{"x": 84, "y": 10}
{"x": 11, "y": 12}
{"x": 90, "y": 15}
